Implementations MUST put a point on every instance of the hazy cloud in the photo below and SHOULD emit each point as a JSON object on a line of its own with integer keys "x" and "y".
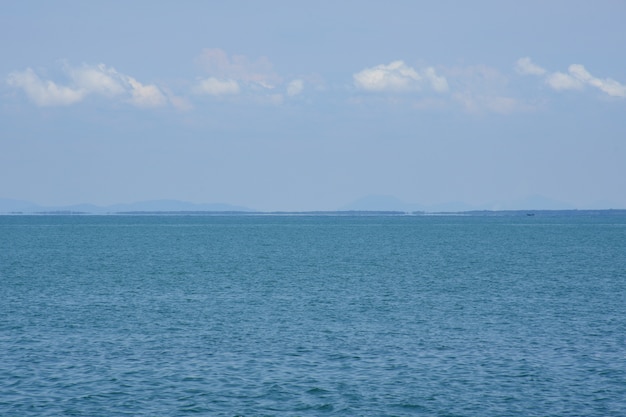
{"x": 398, "y": 77}
{"x": 220, "y": 65}
{"x": 86, "y": 80}
{"x": 253, "y": 79}
{"x": 295, "y": 87}
{"x": 482, "y": 89}
{"x": 525, "y": 66}
{"x": 217, "y": 87}
{"x": 180, "y": 103}
{"x": 475, "y": 103}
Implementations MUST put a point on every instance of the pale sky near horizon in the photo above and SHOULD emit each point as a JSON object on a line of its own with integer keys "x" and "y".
{"x": 282, "y": 105}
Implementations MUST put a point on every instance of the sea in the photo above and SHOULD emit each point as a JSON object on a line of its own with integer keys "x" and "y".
{"x": 312, "y": 315}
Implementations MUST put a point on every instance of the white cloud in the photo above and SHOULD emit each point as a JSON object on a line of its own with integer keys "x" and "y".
{"x": 580, "y": 72}
{"x": 576, "y": 78}
{"x": 438, "y": 83}
{"x": 398, "y": 77}
{"x": 610, "y": 86}
{"x": 560, "y": 81}
{"x": 217, "y": 87}
{"x": 525, "y": 66}
{"x": 477, "y": 89}
{"x": 145, "y": 95}
{"x": 295, "y": 87}
{"x": 44, "y": 93}
{"x": 84, "y": 81}
{"x": 607, "y": 85}
{"x": 97, "y": 79}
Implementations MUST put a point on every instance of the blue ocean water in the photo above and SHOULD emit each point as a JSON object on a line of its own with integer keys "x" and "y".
{"x": 312, "y": 315}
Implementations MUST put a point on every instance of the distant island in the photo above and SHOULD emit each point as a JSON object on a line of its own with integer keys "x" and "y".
{"x": 175, "y": 207}
{"x": 25, "y": 207}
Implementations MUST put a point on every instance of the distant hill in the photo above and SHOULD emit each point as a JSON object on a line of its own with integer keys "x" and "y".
{"x": 368, "y": 204}
{"x": 17, "y": 206}
{"x": 11, "y": 206}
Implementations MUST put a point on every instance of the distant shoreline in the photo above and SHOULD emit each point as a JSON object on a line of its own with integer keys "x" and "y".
{"x": 340, "y": 213}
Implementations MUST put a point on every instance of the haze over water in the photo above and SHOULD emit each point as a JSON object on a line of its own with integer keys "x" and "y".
{"x": 312, "y": 315}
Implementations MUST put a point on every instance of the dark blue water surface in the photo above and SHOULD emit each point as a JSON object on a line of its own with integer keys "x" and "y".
{"x": 310, "y": 316}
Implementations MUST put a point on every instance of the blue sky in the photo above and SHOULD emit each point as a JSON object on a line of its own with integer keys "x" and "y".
{"x": 282, "y": 105}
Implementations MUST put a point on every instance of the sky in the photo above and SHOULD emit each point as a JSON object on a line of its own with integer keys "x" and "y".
{"x": 283, "y": 105}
